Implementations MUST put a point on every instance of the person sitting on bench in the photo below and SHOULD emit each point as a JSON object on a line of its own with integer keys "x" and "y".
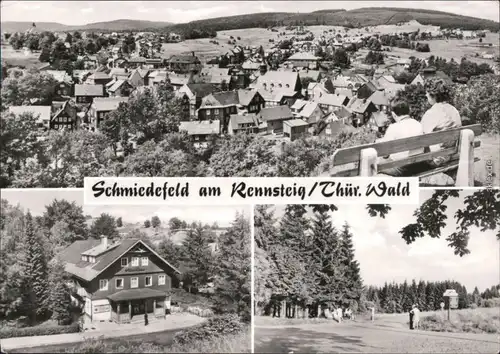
{"x": 404, "y": 127}
{"x": 441, "y": 116}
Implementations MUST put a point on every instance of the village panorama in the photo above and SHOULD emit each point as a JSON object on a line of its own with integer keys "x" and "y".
{"x": 264, "y": 94}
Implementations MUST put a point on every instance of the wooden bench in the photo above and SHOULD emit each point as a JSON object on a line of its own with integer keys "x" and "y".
{"x": 462, "y": 154}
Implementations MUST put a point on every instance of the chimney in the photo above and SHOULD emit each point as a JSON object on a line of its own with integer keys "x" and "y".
{"x": 104, "y": 241}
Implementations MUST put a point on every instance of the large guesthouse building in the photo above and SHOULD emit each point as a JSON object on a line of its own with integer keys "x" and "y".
{"x": 119, "y": 281}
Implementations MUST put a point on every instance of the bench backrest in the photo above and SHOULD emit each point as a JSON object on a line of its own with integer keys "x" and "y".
{"x": 352, "y": 154}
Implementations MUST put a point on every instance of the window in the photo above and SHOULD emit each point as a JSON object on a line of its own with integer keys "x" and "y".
{"x": 124, "y": 262}
{"x": 208, "y": 112}
{"x": 135, "y": 261}
{"x": 161, "y": 279}
{"x": 144, "y": 261}
{"x": 148, "y": 281}
{"x": 84, "y": 258}
{"x": 134, "y": 282}
{"x": 119, "y": 283}
{"x": 216, "y": 111}
{"x": 103, "y": 284}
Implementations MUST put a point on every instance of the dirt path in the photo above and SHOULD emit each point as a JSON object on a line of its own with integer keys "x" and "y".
{"x": 367, "y": 337}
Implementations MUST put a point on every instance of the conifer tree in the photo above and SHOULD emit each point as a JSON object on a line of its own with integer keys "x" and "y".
{"x": 60, "y": 295}
{"x": 34, "y": 272}
{"x": 353, "y": 282}
{"x": 233, "y": 270}
{"x": 197, "y": 259}
{"x": 326, "y": 265}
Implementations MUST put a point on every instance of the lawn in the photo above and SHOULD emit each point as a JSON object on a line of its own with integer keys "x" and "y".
{"x": 480, "y": 320}
{"x": 19, "y": 58}
{"x": 276, "y": 321}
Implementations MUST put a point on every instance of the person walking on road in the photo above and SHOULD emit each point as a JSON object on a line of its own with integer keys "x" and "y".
{"x": 372, "y": 313}
{"x": 411, "y": 319}
{"x": 416, "y": 317}
{"x": 146, "y": 322}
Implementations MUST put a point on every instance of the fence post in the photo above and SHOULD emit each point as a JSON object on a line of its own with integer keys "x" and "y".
{"x": 368, "y": 162}
{"x": 465, "y": 173}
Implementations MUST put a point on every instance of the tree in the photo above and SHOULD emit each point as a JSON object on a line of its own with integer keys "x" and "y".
{"x": 155, "y": 221}
{"x": 119, "y": 222}
{"x": 341, "y": 58}
{"x": 147, "y": 224}
{"x": 18, "y": 143}
{"x": 69, "y": 213}
{"x": 105, "y": 225}
{"x": 175, "y": 223}
{"x": 197, "y": 259}
{"x": 233, "y": 269}
{"x": 353, "y": 282}
{"x": 60, "y": 296}
{"x": 170, "y": 252}
{"x": 416, "y": 98}
{"x": 31, "y": 87}
{"x": 477, "y": 104}
{"x": 34, "y": 267}
{"x": 326, "y": 267}
{"x": 243, "y": 155}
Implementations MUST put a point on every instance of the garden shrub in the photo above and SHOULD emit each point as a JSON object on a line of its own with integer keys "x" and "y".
{"x": 215, "y": 327}
{"x": 38, "y": 331}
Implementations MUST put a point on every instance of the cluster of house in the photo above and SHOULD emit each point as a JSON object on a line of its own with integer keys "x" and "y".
{"x": 303, "y": 96}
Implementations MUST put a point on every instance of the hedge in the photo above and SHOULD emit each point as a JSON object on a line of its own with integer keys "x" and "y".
{"x": 213, "y": 328}
{"x": 38, "y": 331}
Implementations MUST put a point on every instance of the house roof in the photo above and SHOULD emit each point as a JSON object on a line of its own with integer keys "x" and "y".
{"x": 332, "y": 99}
{"x": 251, "y": 65}
{"x": 236, "y": 119}
{"x": 99, "y": 75}
{"x": 205, "y": 127}
{"x": 308, "y": 109}
{"x": 89, "y": 90}
{"x": 178, "y": 79}
{"x": 60, "y": 75}
{"x": 276, "y": 113}
{"x": 245, "y": 96}
{"x": 303, "y": 56}
{"x": 295, "y": 123}
{"x": 299, "y": 104}
{"x": 107, "y": 104}
{"x": 116, "y": 85}
{"x": 202, "y": 89}
{"x": 380, "y": 118}
{"x": 41, "y": 113}
{"x": 379, "y": 98}
{"x": 313, "y": 74}
{"x": 189, "y": 59}
{"x": 275, "y": 78}
{"x": 358, "y": 105}
{"x": 71, "y": 255}
{"x": 344, "y": 92}
{"x": 136, "y": 294}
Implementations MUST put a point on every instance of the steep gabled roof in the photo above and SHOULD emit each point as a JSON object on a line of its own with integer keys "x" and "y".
{"x": 332, "y": 100}
{"x": 108, "y": 103}
{"x": 276, "y": 113}
{"x": 204, "y": 127}
{"x": 88, "y": 271}
{"x": 89, "y": 90}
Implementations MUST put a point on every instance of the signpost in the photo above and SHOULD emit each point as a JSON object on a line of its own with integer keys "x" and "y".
{"x": 451, "y": 300}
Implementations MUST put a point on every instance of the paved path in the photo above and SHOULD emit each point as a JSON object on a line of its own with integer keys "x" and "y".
{"x": 367, "y": 337}
{"x": 172, "y": 322}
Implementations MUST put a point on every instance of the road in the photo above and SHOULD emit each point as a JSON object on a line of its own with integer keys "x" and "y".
{"x": 366, "y": 337}
{"x": 161, "y": 328}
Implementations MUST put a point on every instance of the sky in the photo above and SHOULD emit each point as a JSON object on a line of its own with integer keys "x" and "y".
{"x": 83, "y": 12}
{"x": 36, "y": 200}
{"x": 384, "y": 256}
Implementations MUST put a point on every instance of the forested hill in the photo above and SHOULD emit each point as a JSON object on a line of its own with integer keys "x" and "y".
{"x": 371, "y": 16}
